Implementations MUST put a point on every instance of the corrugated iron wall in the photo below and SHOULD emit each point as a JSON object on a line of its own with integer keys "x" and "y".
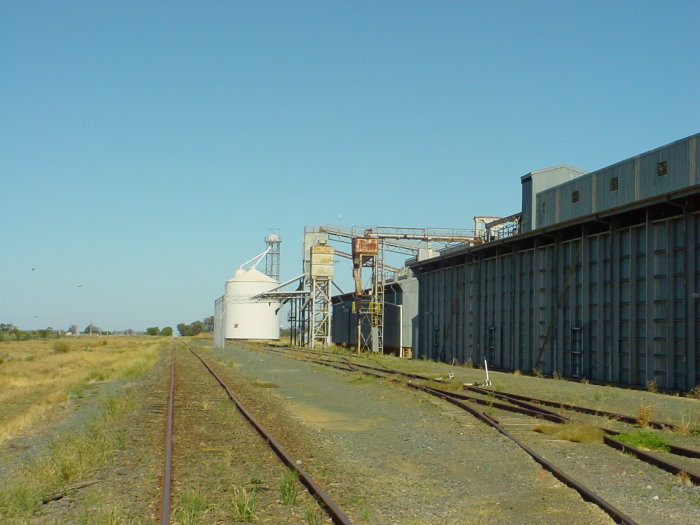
{"x": 617, "y": 306}
{"x": 344, "y": 320}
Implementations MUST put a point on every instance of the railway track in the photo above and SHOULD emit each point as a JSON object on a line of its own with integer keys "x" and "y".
{"x": 531, "y": 407}
{"x": 522, "y": 406}
{"x": 325, "y": 502}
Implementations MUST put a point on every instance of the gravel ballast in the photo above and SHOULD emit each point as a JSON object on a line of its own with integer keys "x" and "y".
{"x": 392, "y": 455}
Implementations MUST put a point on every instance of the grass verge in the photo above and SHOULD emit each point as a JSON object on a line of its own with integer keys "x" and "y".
{"x": 69, "y": 460}
{"x": 38, "y": 378}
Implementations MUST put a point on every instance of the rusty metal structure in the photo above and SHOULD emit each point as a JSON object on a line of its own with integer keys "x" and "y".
{"x": 319, "y": 285}
{"x": 369, "y": 245}
{"x": 369, "y": 302}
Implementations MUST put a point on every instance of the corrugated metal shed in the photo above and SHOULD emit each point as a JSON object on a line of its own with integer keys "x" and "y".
{"x": 400, "y": 311}
{"x": 538, "y": 181}
{"x": 617, "y": 305}
{"x": 657, "y": 172}
{"x": 608, "y": 291}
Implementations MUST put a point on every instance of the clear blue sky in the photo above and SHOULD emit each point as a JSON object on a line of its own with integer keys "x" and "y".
{"x": 146, "y": 148}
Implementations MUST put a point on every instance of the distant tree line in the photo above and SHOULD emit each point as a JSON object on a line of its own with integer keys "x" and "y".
{"x": 10, "y": 332}
{"x": 197, "y": 327}
{"x": 154, "y": 330}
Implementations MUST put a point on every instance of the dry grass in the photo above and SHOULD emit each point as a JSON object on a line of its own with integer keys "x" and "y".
{"x": 450, "y": 386}
{"x": 652, "y": 386}
{"x": 40, "y": 376}
{"x": 686, "y": 426}
{"x": 69, "y": 460}
{"x": 684, "y": 479}
{"x": 395, "y": 379}
{"x": 265, "y": 384}
{"x": 644, "y": 415}
{"x": 517, "y": 372}
{"x": 576, "y": 432}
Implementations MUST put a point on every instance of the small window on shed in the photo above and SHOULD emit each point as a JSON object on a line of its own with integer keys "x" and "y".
{"x": 613, "y": 184}
{"x": 662, "y": 168}
{"x": 575, "y": 196}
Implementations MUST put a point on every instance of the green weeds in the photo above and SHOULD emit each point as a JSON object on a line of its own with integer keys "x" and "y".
{"x": 289, "y": 490}
{"x": 644, "y": 439}
{"x": 313, "y": 515}
{"x": 244, "y": 501}
{"x": 191, "y": 508}
{"x": 95, "y": 377}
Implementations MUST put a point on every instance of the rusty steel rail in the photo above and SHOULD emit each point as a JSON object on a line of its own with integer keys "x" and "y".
{"x": 168, "y": 464}
{"x": 585, "y": 410}
{"x": 617, "y": 515}
{"x": 528, "y": 408}
{"x": 522, "y": 407}
{"x": 585, "y": 492}
{"x": 537, "y": 411}
{"x": 608, "y": 440}
{"x": 328, "y": 505}
{"x": 521, "y": 401}
{"x": 525, "y": 408}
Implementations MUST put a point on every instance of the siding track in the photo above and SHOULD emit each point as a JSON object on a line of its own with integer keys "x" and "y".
{"x": 522, "y": 406}
{"x": 324, "y": 500}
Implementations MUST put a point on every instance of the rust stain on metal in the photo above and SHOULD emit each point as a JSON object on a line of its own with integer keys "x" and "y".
{"x": 365, "y": 246}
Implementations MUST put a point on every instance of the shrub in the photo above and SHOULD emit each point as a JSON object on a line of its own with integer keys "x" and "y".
{"x": 61, "y": 347}
{"x": 644, "y": 415}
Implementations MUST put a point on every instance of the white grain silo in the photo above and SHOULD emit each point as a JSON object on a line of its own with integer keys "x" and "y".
{"x": 247, "y": 318}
